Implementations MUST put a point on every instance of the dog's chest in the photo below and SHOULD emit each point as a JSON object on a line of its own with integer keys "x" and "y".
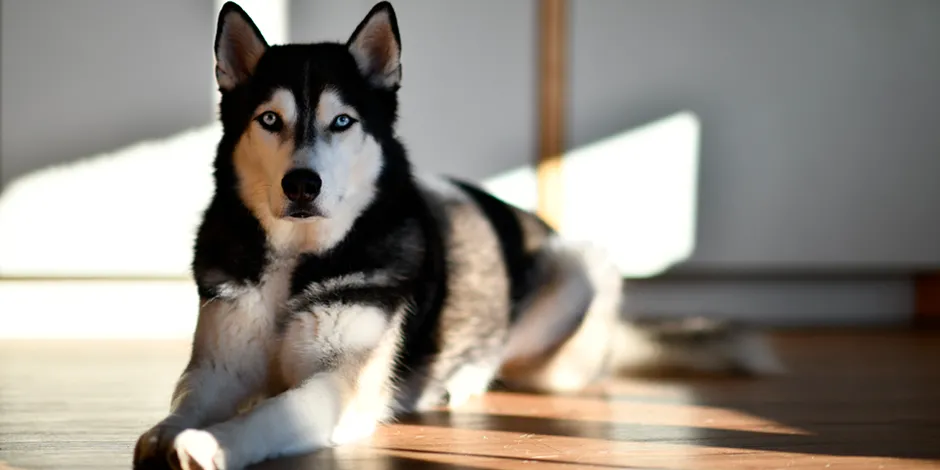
{"x": 254, "y": 310}
{"x": 269, "y": 297}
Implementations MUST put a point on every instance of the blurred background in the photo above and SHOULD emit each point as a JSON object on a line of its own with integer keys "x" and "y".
{"x": 775, "y": 162}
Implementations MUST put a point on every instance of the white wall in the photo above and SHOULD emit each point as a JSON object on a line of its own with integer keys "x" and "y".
{"x": 82, "y": 77}
{"x": 818, "y": 141}
{"x": 818, "y": 145}
{"x": 819, "y": 120}
{"x": 819, "y": 149}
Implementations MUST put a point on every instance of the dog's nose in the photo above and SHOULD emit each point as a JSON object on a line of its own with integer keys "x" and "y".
{"x": 301, "y": 185}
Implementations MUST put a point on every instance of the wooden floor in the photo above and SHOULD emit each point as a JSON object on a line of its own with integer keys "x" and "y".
{"x": 862, "y": 400}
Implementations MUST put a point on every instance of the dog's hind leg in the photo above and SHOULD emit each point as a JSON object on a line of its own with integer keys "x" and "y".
{"x": 562, "y": 338}
{"x": 572, "y": 333}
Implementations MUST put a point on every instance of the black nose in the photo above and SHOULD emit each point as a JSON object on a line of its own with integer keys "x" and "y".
{"x": 301, "y": 185}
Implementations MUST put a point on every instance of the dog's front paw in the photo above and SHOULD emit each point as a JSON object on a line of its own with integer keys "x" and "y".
{"x": 152, "y": 447}
{"x": 198, "y": 450}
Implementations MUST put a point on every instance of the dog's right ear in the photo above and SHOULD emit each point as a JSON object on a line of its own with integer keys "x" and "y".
{"x": 238, "y": 47}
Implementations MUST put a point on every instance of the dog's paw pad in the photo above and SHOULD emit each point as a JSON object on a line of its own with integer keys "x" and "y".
{"x": 198, "y": 450}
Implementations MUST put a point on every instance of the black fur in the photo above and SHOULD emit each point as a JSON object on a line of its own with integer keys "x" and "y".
{"x": 231, "y": 247}
{"x": 505, "y": 221}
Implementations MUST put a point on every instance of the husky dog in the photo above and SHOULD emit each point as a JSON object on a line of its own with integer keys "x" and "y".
{"x": 339, "y": 290}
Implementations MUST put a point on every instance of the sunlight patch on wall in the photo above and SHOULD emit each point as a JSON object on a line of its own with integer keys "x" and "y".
{"x": 132, "y": 212}
{"x": 634, "y": 193}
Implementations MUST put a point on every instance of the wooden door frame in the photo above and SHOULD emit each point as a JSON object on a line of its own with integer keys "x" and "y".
{"x": 552, "y": 68}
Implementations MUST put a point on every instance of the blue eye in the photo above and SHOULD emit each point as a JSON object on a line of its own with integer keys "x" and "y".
{"x": 341, "y": 123}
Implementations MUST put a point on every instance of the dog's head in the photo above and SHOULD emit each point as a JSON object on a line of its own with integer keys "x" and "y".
{"x": 306, "y": 124}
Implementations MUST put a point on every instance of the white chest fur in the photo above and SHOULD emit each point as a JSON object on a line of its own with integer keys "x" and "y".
{"x": 242, "y": 324}
{"x": 268, "y": 299}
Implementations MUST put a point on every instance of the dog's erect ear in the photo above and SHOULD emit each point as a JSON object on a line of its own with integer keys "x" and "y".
{"x": 376, "y": 46}
{"x": 238, "y": 47}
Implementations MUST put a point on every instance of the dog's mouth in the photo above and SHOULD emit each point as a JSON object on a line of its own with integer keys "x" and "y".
{"x": 301, "y": 212}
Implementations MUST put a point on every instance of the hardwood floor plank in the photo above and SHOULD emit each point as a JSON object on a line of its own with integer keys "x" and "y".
{"x": 851, "y": 400}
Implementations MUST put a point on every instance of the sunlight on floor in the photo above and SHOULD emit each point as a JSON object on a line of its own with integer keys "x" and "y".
{"x": 93, "y": 398}
{"x": 680, "y": 411}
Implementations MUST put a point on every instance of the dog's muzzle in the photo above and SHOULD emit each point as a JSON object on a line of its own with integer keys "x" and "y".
{"x": 301, "y": 186}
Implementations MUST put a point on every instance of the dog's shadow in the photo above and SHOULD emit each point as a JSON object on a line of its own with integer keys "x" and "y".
{"x": 871, "y": 436}
{"x": 835, "y": 417}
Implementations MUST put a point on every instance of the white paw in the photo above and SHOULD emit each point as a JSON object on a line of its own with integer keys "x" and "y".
{"x": 198, "y": 450}
{"x": 468, "y": 382}
{"x": 353, "y": 430}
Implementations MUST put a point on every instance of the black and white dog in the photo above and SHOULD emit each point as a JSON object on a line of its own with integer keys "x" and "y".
{"x": 338, "y": 289}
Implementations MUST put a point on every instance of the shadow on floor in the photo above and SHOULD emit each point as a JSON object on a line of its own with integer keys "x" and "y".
{"x": 849, "y": 397}
{"x": 328, "y": 460}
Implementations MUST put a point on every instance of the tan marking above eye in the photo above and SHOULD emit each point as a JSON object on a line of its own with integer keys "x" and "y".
{"x": 283, "y": 104}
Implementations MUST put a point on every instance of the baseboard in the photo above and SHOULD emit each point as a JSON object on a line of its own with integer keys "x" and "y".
{"x": 789, "y": 301}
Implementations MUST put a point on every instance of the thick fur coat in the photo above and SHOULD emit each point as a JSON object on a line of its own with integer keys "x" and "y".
{"x": 338, "y": 289}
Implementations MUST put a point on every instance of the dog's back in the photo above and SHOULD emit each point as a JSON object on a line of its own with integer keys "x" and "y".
{"x": 537, "y": 312}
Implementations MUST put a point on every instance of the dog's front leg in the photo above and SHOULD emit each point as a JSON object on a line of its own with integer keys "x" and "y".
{"x": 338, "y": 361}
{"x": 228, "y": 364}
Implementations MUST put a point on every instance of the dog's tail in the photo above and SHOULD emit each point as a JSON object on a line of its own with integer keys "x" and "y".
{"x": 691, "y": 345}
{"x": 573, "y": 331}
{"x": 686, "y": 345}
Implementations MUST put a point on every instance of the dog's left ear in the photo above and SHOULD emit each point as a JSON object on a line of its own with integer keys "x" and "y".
{"x": 376, "y": 46}
{"x": 239, "y": 46}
